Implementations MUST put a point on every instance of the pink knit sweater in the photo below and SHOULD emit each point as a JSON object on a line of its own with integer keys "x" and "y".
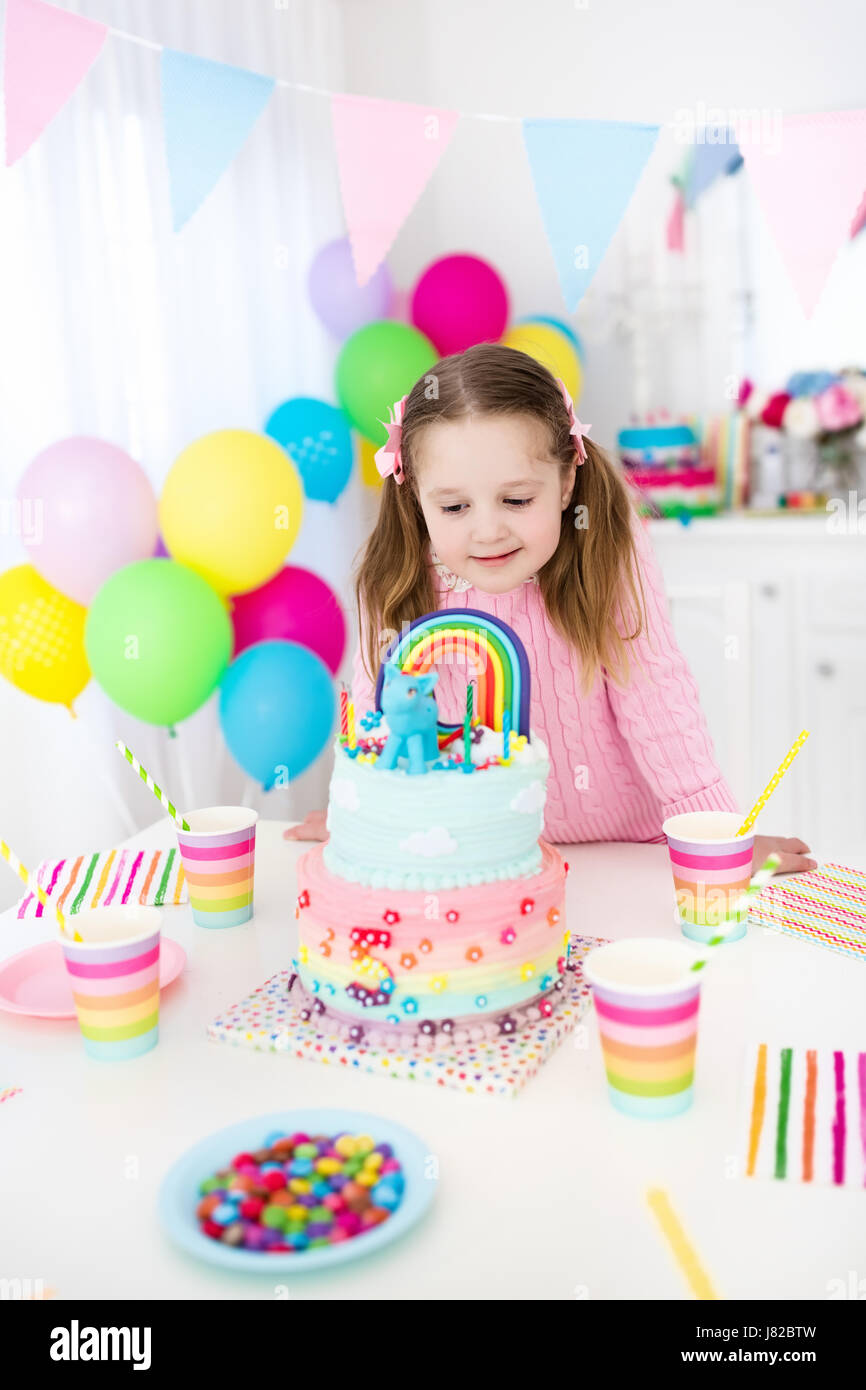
{"x": 621, "y": 759}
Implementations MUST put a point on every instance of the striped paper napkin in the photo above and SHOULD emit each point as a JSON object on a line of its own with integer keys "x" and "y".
{"x": 146, "y": 877}
{"x": 805, "y": 1115}
{"x": 826, "y": 906}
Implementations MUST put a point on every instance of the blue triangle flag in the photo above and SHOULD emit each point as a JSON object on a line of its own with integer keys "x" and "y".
{"x": 721, "y": 157}
{"x": 208, "y": 109}
{"x": 584, "y": 174}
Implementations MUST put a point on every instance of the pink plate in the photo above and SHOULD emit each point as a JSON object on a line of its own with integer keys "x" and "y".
{"x": 35, "y": 981}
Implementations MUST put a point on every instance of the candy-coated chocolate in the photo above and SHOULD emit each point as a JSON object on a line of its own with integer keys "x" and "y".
{"x": 207, "y": 1205}
{"x": 223, "y": 1214}
{"x": 301, "y": 1167}
{"x": 298, "y": 1240}
{"x": 345, "y": 1145}
{"x": 309, "y": 1150}
{"x": 373, "y": 1216}
{"x": 300, "y": 1185}
{"x": 252, "y": 1208}
{"x": 273, "y": 1217}
{"x": 234, "y": 1234}
{"x": 274, "y": 1180}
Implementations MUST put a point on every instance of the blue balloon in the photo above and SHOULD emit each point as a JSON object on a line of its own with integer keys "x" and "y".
{"x": 277, "y": 710}
{"x": 316, "y": 437}
{"x": 563, "y": 328}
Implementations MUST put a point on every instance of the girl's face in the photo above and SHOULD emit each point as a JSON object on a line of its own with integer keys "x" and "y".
{"x": 492, "y": 497}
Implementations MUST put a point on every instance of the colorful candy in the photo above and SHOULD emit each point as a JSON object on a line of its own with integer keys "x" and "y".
{"x": 301, "y": 1192}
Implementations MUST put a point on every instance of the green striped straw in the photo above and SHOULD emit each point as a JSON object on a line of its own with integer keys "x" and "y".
{"x": 149, "y": 782}
{"x": 759, "y": 881}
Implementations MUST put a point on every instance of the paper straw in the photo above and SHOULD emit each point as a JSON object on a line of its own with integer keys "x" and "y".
{"x": 773, "y": 783}
{"x": 30, "y": 879}
{"x": 760, "y": 880}
{"x": 149, "y": 782}
{"x": 683, "y": 1252}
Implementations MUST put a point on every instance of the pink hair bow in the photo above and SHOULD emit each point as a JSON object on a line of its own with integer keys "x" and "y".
{"x": 389, "y": 458}
{"x": 577, "y": 429}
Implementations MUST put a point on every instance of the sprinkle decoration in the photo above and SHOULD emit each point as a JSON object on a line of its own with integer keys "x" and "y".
{"x": 267, "y": 1020}
{"x": 680, "y": 1247}
{"x": 301, "y": 1191}
{"x": 805, "y": 1115}
{"x": 773, "y": 783}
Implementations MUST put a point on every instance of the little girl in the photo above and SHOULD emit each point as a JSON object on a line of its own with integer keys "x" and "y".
{"x": 495, "y": 499}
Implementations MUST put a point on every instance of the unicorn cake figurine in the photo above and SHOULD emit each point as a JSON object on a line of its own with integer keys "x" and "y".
{"x": 434, "y": 913}
{"x": 409, "y": 706}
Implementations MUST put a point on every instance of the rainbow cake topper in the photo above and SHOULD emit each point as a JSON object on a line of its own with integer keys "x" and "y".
{"x": 489, "y": 645}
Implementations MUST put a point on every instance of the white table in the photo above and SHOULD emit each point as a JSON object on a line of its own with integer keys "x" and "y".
{"x": 84, "y": 1147}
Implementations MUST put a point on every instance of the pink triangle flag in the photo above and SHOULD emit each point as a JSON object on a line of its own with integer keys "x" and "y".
{"x": 809, "y": 183}
{"x": 386, "y": 152}
{"x": 48, "y": 52}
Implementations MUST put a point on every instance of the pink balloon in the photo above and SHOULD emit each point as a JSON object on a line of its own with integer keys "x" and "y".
{"x": 459, "y": 301}
{"x": 296, "y": 606}
{"x": 92, "y": 511}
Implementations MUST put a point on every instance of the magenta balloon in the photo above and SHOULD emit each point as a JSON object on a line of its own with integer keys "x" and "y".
{"x": 458, "y": 301}
{"x": 341, "y": 303}
{"x": 295, "y": 606}
{"x": 93, "y": 511}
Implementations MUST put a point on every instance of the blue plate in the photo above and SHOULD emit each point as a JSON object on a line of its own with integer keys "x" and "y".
{"x": 179, "y": 1194}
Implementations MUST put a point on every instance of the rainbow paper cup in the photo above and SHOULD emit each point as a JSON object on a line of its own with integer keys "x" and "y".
{"x": 712, "y": 866}
{"x": 114, "y": 972}
{"x": 219, "y": 857}
{"x": 646, "y": 997}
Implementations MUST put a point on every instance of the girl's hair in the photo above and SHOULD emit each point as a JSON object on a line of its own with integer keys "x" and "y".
{"x": 591, "y": 584}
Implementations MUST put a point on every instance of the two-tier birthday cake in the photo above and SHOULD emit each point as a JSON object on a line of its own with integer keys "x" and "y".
{"x": 434, "y": 908}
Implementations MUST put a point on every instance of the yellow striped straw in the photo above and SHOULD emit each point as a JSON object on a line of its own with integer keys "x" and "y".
{"x": 30, "y": 879}
{"x": 773, "y": 783}
{"x": 683, "y": 1252}
{"x": 149, "y": 782}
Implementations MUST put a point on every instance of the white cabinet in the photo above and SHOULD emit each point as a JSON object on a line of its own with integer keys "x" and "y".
{"x": 771, "y": 615}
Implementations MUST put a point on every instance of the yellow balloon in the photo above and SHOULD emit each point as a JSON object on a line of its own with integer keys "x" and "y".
{"x": 41, "y": 638}
{"x": 231, "y": 509}
{"x": 370, "y": 474}
{"x": 552, "y": 349}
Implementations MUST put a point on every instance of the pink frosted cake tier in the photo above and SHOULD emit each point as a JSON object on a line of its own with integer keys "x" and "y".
{"x": 483, "y": 957}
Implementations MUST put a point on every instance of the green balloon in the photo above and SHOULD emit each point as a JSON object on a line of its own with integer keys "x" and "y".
{"x": 375, "y": 369}
{"x": 158, "y": 639}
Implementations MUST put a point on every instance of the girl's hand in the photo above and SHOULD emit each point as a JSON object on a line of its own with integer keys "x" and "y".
{"x": 791, "y": 851}
{"x": 312, "y": 827}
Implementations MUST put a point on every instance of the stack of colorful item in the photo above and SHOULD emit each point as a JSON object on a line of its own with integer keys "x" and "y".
{"x": 663, "y": 461}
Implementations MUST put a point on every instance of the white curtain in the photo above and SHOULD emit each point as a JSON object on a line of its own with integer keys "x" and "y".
{"x": 113, "y": 325}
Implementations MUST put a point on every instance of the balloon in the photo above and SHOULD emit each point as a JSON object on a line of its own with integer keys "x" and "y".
{"x": 370, "y": 474}
{"x": 563, "y": 327}
{"x": 549, "y": 347}
{"x": 400, "y": 309}
{"x": 231, "y": 509}
{"x": 96, "y": 512}
{"x": 376, "y": 367}
{"x": 277, "y": 710}
{"x": 159, "y": 550}
{"x": 297, "y": 606}
{"x": 158, "y": 639}
{"x": 458, "y": 301}
{"x": 316, "y": 437}
{"x": 41, "y": 638}
{"x": 341, "y": 303}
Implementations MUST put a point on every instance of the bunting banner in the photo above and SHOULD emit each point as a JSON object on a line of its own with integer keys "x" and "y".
{"x": 809, "y": 179}
{"x": 584, "y": 173}
{"x": 47, "y": 53}
{"x": 810, "y": 185}
{"x": 208, "y": 111}
{"x": 386, "y": 153}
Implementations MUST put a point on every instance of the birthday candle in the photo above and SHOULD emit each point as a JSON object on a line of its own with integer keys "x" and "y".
{"x": 350, "y": 722}
{"x": 506, "y": 734}
{"x": 467, "y": 738}
{"x": 344, "y": 702}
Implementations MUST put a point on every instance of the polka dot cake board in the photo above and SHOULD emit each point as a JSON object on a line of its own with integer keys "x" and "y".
{"x": 268, "y": 1021}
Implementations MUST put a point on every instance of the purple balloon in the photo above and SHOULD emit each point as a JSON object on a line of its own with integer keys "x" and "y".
{"x": 160, "y": 552}
{"x": 97, "y": 513}
{"x": 341, "y": 303}
{"x": 295, "y": 606}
